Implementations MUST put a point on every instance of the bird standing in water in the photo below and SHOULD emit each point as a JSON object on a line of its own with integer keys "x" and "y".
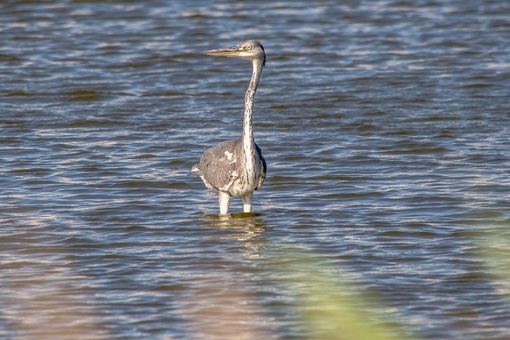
{"x": 236, "y": 167}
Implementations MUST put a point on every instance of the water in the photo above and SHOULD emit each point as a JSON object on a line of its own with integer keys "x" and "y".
{"x": 385, "y": 126}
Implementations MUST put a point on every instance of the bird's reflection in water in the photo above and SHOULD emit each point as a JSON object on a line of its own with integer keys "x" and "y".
{"x": 244, "y": 227}
{"x": 240, "y": 226}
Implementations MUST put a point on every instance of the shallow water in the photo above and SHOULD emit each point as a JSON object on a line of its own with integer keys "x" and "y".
{"x": 385, "y": 126}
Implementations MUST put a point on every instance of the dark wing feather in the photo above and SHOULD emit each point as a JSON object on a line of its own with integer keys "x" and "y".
{"x": 264, "y": 167}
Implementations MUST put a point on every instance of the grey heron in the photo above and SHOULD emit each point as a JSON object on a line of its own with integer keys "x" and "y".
{"x": 236, "y": 167}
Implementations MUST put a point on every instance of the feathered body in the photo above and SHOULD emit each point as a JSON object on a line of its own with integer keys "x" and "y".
{"x": 224, "y": 173}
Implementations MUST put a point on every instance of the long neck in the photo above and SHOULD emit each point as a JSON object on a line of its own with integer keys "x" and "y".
{"x": 248, "y": 140}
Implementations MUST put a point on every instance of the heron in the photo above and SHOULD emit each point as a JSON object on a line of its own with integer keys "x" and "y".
{"x": 235, "y": 168}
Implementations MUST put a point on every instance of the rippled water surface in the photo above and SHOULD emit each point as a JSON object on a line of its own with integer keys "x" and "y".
{"x": 385, "y": 126}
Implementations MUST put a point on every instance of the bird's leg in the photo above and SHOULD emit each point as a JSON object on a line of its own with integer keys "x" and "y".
{"x": 247, "y": 202}
{"x": 224, "y": 199}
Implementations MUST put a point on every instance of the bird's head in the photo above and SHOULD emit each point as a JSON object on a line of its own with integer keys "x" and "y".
{"x": 250, "y": 49}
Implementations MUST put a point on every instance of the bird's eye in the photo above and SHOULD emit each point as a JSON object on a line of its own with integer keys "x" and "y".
{"x": 249, "y": 47}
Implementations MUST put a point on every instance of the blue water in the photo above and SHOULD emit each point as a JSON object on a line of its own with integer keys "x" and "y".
{"x": 385, "y": 126}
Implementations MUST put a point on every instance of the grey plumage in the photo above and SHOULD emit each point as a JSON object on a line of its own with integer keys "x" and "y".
{"x": 219, "y": 171}
{"x": 236, "y": 167}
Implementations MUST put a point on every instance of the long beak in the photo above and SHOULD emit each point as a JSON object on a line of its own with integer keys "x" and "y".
{"x": 224, "y": 52}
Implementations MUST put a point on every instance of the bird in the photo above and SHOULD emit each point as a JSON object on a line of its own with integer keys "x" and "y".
{"x": 235, "y": 168}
